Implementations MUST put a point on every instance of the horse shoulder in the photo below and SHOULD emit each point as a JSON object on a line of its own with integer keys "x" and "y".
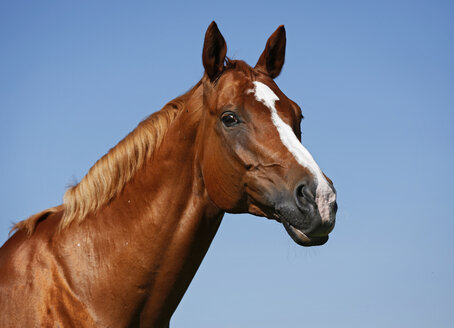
{"x": 30, "y": 274}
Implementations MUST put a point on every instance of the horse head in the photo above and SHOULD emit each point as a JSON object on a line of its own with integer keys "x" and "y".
{"x": 251, "y": 155}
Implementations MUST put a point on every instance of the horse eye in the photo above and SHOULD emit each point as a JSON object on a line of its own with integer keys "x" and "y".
{"x": 229, "y": 119}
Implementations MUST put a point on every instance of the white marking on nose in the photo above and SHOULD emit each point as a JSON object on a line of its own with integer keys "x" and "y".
{"x": 324, "y": 193}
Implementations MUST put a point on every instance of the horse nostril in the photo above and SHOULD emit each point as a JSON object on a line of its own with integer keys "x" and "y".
{"x": 299, "y": 191}
{"x": 304, "y": 193}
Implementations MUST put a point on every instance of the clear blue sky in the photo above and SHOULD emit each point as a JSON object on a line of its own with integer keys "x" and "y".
{"x": 376, "y": 84}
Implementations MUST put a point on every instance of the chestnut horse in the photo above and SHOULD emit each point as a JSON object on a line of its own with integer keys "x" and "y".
{"x": 125, "y": 244}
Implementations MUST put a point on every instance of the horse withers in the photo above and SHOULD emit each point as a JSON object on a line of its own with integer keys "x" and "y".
{"x": 126, "y": 242}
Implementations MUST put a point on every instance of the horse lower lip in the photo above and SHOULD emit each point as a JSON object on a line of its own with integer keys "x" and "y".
{"x": 302, "y": 239}
{"x": 301, "y": 235}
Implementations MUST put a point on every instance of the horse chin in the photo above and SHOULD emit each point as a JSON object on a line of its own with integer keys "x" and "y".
{"x": 302, "y": 239}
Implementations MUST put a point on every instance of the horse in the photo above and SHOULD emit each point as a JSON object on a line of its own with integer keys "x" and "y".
{"x": 125, "y": 244}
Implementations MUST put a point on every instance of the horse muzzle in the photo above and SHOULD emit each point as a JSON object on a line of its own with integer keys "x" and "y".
{"x": 307, "y": 219}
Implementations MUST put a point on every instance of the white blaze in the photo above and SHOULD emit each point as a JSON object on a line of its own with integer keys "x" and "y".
{"x": 324, "y": 193}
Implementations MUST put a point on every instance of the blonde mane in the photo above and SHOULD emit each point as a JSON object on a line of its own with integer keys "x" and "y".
{"x": 108, "y": 176}
{"x": 111, "y": 172}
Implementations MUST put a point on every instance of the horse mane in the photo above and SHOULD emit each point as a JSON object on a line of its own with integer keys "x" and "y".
{"x": 109, "y": 175}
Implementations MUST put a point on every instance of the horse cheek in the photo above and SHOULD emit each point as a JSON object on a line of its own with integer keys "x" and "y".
{"x": 220, "y": 174}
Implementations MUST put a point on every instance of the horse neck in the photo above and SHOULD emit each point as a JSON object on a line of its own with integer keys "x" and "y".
{"x": 158, "y": 229}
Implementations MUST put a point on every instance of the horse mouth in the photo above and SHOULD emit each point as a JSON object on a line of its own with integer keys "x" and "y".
{"x": 301, "y": 238}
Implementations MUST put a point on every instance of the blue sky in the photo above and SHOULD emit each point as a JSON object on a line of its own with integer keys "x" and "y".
{"x": 375, "y": 81}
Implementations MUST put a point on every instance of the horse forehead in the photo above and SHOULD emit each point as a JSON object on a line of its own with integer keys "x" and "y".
{"x": 267, "y": 95}
{"x": 233, "y": 88}
{"x": 239, "y": 90}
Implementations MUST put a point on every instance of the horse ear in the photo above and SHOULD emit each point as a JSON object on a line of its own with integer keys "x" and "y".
{"x": 214, "y": 51}
{"x": 272, "y": 58}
